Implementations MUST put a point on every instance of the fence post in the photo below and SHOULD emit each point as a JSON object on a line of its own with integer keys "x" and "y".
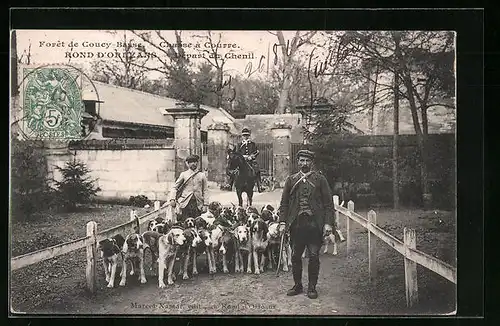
{"x": 411, "y": 285}
{"x": 372, "y": 255}
{"x": 349, "y": 231}
{"x": 134, "y": 217}
{"x": 157, "y": 205}
{"x": 90, "y": 272}
{"x": 168, "y": 213}
{"x": 336, "y": 202}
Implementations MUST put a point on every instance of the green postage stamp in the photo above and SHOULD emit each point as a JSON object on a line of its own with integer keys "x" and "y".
{"x": 52, "y": 104}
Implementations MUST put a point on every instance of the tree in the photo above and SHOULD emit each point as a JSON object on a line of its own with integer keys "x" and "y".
{"x": 76, "y": 187}
{"x": 423, "y": 63}
{"x": 171, "y": 61}
{"x": 205, "y": 81}
{"x": 255, "y": 96}
{"x": 29, "y": 188}
{"x": 288, "y": 50}
{"x": 154, "y": 86}
{"x": 125, "y": 69}
{"x": 223, "y": 89}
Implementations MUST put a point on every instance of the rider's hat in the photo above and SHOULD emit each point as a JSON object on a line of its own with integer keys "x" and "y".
{"x": 192, "y": 158}
{"x": 305, "y": 153}
{"x": 245, "y": 131}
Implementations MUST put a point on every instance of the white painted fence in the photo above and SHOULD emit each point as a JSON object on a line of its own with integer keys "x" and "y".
{"x": 407, "y": 249}
{"x": 90, "y": 242}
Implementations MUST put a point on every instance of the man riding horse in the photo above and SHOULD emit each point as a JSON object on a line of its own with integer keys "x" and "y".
{"x": 249, "y": 151}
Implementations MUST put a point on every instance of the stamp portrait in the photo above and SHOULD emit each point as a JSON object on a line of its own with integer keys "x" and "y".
{"x": 52, "y": 106}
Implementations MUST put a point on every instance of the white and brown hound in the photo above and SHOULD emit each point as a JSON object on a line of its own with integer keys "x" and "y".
{"x": 329, "y": 237}
{"x": 151, "y": 239}
{"x": 243, "y": 247}
{"x": 168, "y": 246}
{"x": 133, "y": 250}
{"x": 208, "y": 217}
{"x": 258, "y": 235}
{"x": 216, "y": 233}
{"x": 226, "y": 248}
{"x": 188, "y": 249}
{"x": 154, "y": 222}
{"x": 202, "y": 247}
{"x": 110, "y": 250}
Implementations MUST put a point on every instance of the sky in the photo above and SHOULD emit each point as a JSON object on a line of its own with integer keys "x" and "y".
{"x": 54, "y": 47}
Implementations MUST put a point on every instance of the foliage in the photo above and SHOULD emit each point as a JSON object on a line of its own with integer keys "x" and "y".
{"x": 255, "y": 96}
{"x": 76, "y": 187}
{"x": 289, "y": 50}
{"x": 368, "y": 170}
{"x": 126, "y": 70}
{"x": 154, "y": 86}
{"x": 30, "y": 193}
{"x": 139, "y": 201}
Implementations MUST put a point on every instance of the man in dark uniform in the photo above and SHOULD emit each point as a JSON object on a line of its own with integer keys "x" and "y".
{"x": 306, "y": 207}
{"x": 249, "y": 151}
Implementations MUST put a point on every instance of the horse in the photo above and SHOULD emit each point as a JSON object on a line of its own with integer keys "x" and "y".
{"x": 245, "y": 175}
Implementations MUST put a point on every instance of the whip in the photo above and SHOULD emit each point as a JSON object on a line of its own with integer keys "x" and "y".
{"x": 280, "y": 254}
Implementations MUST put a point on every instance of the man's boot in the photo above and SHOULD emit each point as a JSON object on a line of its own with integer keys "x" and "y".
{"x": 297, "y": 279}
{"x": 313, "y": 271}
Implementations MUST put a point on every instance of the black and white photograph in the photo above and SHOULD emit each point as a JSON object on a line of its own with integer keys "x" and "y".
{"x": 233, "y": 172}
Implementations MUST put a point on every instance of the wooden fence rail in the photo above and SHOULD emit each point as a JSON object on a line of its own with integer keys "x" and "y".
{"x": 407, "y": 248}
{"x": 132, "y": 225}
{"x": 84, "y": 242}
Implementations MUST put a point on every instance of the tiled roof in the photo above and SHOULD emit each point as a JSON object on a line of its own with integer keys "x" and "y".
{"x": 129, "y": 105}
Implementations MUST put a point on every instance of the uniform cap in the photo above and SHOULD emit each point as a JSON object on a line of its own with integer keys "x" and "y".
{"x": 192, "y": 158}
{"x": 305, "y": 153}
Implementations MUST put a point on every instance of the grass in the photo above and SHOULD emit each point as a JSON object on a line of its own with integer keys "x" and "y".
{"x": 58, "y": 285}
{"x": 435, "y": 231}
{"x": 58, "y": 280}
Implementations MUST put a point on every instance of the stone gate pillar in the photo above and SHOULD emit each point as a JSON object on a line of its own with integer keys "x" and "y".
{"x": 187, "y": 133}
{"x": 281, "y": 152}
{"x": 218, "y": 142}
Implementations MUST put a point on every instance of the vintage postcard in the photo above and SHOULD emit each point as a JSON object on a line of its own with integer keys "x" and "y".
{"x": 205, "y": 172}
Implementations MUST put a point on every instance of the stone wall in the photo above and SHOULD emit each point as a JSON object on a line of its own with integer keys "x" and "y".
{"x": 127, "y": 167}
{"x": 218, "y": 142}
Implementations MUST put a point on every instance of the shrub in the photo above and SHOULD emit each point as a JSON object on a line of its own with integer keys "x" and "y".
{"x": 76, "y": 187}
{"x": 30, "y": 193}
{"x": 139, "y": 201}
{"x": 353, "y": 167}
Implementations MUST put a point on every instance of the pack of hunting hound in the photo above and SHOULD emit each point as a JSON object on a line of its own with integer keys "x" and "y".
{"x": 233, "y": 239}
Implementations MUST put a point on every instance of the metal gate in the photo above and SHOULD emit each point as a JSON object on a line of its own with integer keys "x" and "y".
{"x": 293, "y": 157}
{"x": 265, "y": 158}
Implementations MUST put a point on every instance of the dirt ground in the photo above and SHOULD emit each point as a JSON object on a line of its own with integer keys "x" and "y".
{"x": 58, "y": 285}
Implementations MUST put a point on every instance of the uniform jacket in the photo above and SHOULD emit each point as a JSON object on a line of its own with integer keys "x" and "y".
{"x": 320, "y": 200}
{"x": 196, "y": 186}
{"x": 247, "y": 148}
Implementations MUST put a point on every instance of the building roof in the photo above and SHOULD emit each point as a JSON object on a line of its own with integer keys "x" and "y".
{"x": 130, "y": 105}
{"x": 261, "y": 124}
